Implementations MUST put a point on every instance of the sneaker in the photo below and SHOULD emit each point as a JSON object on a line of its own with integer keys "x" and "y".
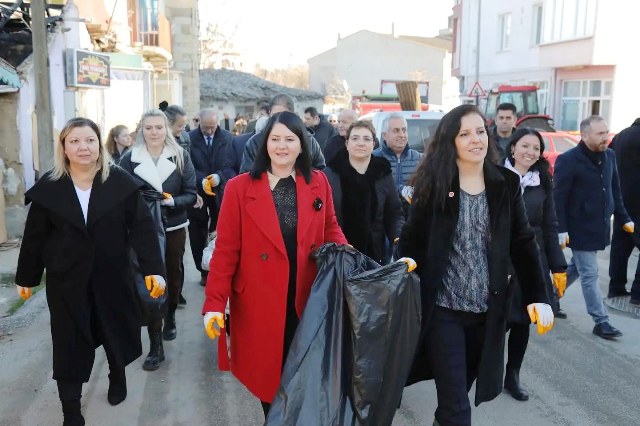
{"x": 606, "y": 331}
{"x": 561, "y": 314}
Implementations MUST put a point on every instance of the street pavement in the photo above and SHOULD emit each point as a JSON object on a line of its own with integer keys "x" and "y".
{"x": 574, "y": 377}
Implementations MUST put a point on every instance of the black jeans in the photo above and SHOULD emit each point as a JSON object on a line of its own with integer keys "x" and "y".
{"x": 175, "y": 268}
{"x": 622, "y": 244}
{"x": 455, "y": 340}
{"x": 518, "y": 342}
{"x": 202, "y": 221}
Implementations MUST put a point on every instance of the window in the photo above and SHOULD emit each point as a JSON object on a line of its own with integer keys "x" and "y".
{"x": 504, "y": 24}
{"x": 536, "y": 25}
{"x": 566, "y": 19}
{"x": 581, "y": 98}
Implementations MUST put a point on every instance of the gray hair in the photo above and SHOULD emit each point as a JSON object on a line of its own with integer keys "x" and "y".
{"x": 585, "y": 124}
{"x": 385, "y": 121}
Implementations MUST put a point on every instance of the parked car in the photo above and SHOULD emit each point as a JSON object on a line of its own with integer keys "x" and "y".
{"x": 421, "y": 125}
{"x": 555, "y": 143}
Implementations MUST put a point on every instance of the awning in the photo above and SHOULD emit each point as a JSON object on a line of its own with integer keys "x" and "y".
{"x": 9, "y": 75}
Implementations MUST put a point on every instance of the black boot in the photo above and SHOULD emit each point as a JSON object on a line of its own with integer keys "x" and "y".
{"x": 512, "y": 384}
{"x": 156, "y": 351}
{"x": 70, "y": 394}
{"x": 169, "y": 332}
{"x": 72, "y": 414}
{"x": 117, "y": 387}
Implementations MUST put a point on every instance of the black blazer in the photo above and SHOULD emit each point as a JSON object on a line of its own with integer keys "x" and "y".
{"x": 209, "y": 160}
{"x": 626, "y": 145}
{"x": 427, "y": 237}
{"x": 88, "y": 266}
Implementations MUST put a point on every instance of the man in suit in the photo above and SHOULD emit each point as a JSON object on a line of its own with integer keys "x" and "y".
{"x": 586, "y": 194}
{"x": 626, "y": 145}
{"x": 209, "y": 145}
{"x": 236, "y": 149}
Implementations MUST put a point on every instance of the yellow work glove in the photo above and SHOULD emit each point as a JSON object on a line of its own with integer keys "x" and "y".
{"x": 24, "y": 292}
{"x": 541, "y": 314}
{"x": 629, "y": 227}
{"x": 211, "y": 319}
{"x": 411, "y": 264}
{"x": 560, "y": 282}
{"x": 155, "y": 284}
{"x": 207, "y": 185}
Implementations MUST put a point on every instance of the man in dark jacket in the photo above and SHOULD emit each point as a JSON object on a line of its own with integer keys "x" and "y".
{"x": 587, "y": 193}
{"x": 208, "y": 153}
{"x": 337, "y": 142}
{"x": 236, "y": 149}
{"x": 321, "y": 128}
{"x": 280, "y": 102}
{"x": 505, "y": 125}
{"x": 627, "y": 147}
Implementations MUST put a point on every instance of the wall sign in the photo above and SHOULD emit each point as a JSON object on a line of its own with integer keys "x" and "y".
{"x": 85, "y": 68}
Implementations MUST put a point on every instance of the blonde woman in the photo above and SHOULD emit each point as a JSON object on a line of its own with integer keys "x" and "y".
{"x": 158, "y": 163}
{"x": 84, "y": 216}
{"x": 118, "y": 141}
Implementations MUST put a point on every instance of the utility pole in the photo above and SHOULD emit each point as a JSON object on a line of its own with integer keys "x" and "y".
{"x": 478, "y": 51}
{"x": 44, "y": 117}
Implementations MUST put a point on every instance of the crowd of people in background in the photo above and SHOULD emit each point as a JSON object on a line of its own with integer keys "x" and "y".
{"x": 480, "y": 212}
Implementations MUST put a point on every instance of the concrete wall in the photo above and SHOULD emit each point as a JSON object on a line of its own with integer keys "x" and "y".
{"x": 185, "y": 27}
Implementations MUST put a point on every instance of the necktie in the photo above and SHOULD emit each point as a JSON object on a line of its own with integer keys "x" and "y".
{"x": 208, "y": 140}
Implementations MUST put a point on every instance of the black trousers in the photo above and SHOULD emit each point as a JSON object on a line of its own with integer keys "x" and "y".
{"x": 622, "y": 244}
{"x": 455, "y": 340}
{"x": 518, "y": 342}
{"x": 202, "y": 222}
{"x": 175, "y": 242}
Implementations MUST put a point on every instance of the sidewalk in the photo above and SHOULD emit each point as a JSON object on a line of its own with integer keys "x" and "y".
{"x": 8, "y": 262}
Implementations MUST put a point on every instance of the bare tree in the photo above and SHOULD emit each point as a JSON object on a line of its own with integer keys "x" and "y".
{"x": 296, "y": 77}
{"x": 217, "y": 49}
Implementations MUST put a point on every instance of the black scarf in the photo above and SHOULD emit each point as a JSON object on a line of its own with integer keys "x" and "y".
{"x": 359, "y": 199}
{"x": 595, "y": 157}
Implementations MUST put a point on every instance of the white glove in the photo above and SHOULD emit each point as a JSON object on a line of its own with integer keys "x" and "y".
{"x": 542, "y": 314}
{"x": 411, "y": 264}
{"x": 168, "y": 200}
{"x": 407, "y": 193}
{"x": 563, "y": 239}
{"x": 199, "y": 202}
{"x": 215, "y": 180}
{"x": 211, "y": 319}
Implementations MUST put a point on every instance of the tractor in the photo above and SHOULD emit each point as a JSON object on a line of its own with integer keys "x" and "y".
{"x": 525, "y": 98}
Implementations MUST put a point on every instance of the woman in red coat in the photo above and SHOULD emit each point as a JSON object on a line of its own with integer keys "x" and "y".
{"x": 271, "y": 221}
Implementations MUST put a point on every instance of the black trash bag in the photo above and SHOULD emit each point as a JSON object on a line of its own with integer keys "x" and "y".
{"x": 152, "y": 309}
{"x": 344, "y": 366}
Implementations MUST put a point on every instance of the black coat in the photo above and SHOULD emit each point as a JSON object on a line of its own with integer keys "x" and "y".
{"x": 586, "y": 196}
{"x": 88, "y": 272}
{"x": 388, "y": 217}
{"x": 251, "y": 151}
{"x": 164, "y": 177}
{"x": 427, "y": 237}
{"x": 626, "y": 145}
{"x": 234, "y": 155}
{"x": 323, "y": 132}
{"x": 210, "y": 160}
{"x": 541, "y": 212}
{"x": 334, "y": 145}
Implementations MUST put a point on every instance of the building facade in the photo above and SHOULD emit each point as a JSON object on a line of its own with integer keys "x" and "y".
{"x": 369, "y": 63}
{"x": 572, "y": 50}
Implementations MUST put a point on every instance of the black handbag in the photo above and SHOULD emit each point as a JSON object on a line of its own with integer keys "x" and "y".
{"x": 152, "y": 309}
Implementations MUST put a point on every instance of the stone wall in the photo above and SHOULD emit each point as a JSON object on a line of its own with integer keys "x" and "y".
{"x": 185, "y": 26}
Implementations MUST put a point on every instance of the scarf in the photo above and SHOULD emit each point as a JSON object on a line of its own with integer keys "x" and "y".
{"x": 531, "y": 178}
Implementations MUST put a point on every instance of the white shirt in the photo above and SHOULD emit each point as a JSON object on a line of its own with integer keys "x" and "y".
{"x": 83, "y": 197}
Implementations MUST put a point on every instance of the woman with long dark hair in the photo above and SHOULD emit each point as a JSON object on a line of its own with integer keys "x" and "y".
{"x": 525, "y": 158}
{"x": 271, "y": 221}
{"x": 466, "y": 225}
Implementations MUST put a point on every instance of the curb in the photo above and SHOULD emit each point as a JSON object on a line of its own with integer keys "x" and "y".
{"x": 25, "y": 315}
{"x": 621, "y": 304}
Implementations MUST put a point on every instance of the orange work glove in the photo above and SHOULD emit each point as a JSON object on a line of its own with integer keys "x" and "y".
{"x": 542, "y": 314}
{"x": 211, "y": 319}
{"x": 24, "y": 292}
{"x": 629, "y": 227}
{"x": 207, "y": 185}
{"x": 560, "y": 282}
{"x": 155, "y": 284}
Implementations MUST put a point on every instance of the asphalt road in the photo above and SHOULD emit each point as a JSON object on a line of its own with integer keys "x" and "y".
{"x": 574, "y": 377}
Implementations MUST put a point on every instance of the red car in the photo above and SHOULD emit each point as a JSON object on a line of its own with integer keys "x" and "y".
{"x": 555, "y": 143}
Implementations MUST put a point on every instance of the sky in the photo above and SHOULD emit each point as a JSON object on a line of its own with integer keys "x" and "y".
{"x": 283, "y": 33}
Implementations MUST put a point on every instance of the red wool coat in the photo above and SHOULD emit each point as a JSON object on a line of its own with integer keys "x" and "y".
{"x": 250, "y": 268}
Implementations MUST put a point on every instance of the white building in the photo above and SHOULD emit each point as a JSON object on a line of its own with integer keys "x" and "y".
{"x": 371, "y": 63}
{"x": 573, "y": 50}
